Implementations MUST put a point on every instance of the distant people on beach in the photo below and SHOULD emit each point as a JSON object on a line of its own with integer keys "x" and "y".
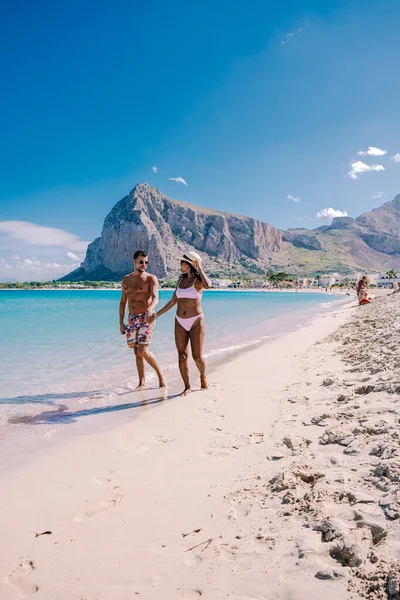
{"x": 189, "y": 319}
{"x": 361, "y": 288}
{"x": 140, "y": 291}
{"x": 364, "y": 298}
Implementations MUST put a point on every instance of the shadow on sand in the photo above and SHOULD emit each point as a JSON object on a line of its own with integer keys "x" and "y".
{"x": 62, "y": 415}
{"x": 50, "y": 398}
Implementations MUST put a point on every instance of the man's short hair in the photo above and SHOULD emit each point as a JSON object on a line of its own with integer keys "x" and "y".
{"x": 139, "y": 253}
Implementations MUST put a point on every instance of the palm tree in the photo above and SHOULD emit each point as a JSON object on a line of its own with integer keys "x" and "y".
{"x": 270, "y": 276}
{"x": 392, "y": 274}
{"x": 318, "y": 278}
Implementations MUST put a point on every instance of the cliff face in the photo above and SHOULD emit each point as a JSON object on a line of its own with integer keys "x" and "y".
{"x": 235, "y": 245}
{"x": 146, "y": 219}
{"x": 380, "y": 228}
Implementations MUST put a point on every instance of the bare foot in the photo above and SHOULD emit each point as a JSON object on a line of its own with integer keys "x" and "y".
{"x": 140, "y": 386}
{"x": 163, "y": 383}
{"x": 204, "y": 384}
{"x": 186, "y": 392}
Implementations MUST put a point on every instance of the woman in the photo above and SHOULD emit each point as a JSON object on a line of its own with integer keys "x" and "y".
{"x": 189, "y": 320}
{"x": 361, "y": 288}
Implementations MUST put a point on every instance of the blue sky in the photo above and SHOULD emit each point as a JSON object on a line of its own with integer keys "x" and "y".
{"x": 250, "y": 103}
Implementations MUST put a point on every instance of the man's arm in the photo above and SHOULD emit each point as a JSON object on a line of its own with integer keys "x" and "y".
{"x": 153, "y": 295}
{"x": 122, "y": 308}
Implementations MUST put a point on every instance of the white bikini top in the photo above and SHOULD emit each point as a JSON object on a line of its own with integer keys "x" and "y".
{"x": 189, "y": 292}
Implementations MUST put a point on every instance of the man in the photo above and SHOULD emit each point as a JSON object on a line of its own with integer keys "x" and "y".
{"x": 140, "y": 290}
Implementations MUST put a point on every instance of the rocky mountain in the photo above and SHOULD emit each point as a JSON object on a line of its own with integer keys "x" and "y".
{"x": 232, "y": 244}
{"x": 166, "y": 228}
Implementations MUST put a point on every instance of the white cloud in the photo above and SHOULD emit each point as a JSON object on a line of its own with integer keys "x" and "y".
{"x": 294, "y": 198}
{"x": 378, "y": 195}
{"x": 396, "y": 157}
{"x": 358, "y": 167}
{"x": 154, "y": 169}
{"x": 3, "y": 264}
{"x": 32, "y": 262}
{"x": 372, "y": 151}
{"x": 73, "y": 257}
{"x": 327, "y": 214}
{"x": 288, "y": 36}
{"x": 15, "y": 257}
{"x": 178, "y": 180}
{"x": 37, "y": 235}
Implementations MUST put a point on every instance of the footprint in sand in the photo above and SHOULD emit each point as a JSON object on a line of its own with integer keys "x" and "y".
{"x": 217, "y": 452}
{"x": 21, "y": 578}
{"x": 106, "y": 504}
{"x": 156, "y": 440}
{"x": 224, "y": 552}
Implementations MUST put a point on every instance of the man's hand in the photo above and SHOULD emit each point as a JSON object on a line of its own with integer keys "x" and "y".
{"x": 122, "y": 328}
{"x": 150, "y": 317}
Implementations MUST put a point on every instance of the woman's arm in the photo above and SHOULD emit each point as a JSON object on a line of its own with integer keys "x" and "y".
{"x": 205, "y": 280}
{"x": 166, "y": 308}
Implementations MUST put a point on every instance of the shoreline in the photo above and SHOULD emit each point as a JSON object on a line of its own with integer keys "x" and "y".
{"x": 43, "y": 423}
{"x": 236, "y": 290}
{"x": 121, "y": 489}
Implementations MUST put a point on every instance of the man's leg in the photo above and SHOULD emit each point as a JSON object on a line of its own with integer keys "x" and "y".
{"x": 140, "y": 369}
{"x": 144, "y": 354}
{"x": 196, "y": 342}
{"x": 182, "y": 342}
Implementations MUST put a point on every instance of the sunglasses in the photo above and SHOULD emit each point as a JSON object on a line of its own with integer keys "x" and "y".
{"x": 143, "y": 262}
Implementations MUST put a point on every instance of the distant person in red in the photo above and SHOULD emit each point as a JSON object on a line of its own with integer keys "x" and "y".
{"x": 365, "y": 299}
{"x": 361, "y": 288}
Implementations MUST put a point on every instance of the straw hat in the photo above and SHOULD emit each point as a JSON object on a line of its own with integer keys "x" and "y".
{"x": 191, "y": 257}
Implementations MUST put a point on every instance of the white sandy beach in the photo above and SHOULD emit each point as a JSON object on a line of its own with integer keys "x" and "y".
{"x": 280, "y": 482}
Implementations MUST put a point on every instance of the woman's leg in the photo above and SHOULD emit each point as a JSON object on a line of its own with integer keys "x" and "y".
{"x": 182, "y": 342}
{"x": 196, "y": 335}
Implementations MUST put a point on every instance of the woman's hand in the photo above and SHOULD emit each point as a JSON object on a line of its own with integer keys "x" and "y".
{"x": 197, "y": 264}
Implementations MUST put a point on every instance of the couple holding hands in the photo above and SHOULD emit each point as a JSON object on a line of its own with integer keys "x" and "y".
{"x": 140, "y": 292}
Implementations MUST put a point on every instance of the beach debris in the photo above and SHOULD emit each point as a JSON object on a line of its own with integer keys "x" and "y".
{"x": 364, "y": 389}
{"x": 256, "y": 438}
{"x": 43, "y": 533}
{"x": 191, "y": 532}
{"x": 295, "y": 443}
{"x": 328, "y": 574}
{"x": 206, "y": 543}
{"x": 393, "y": 584}
{"x": 343, "y": 398}
{"x": 346, "y": 555}
{"x": 390, "y": 505}
{"x": 336, "y": 437}
{"x": 328, "y": 382}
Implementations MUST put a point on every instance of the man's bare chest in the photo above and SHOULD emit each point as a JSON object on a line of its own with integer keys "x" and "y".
{"x": 137, "y": 288}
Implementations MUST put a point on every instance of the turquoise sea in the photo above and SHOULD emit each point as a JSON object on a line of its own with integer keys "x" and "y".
{"x": 62, "y": 352}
